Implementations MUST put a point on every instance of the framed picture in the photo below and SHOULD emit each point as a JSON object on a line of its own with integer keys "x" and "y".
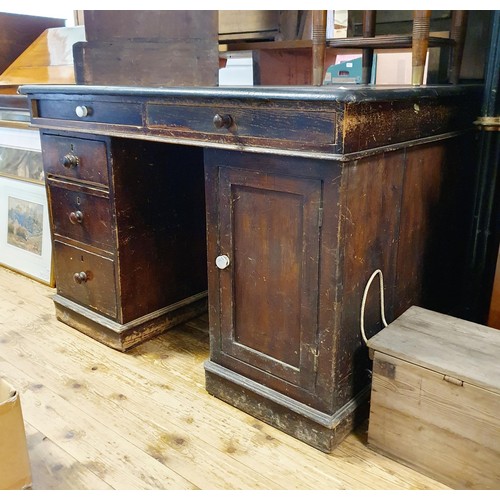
{"x": 20, "y": 154}
{"x": 25, "y": 243}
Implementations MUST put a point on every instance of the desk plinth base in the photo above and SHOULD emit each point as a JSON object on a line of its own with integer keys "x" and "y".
{"x": 318, "y": 429}
{"x": 124, "y": 336}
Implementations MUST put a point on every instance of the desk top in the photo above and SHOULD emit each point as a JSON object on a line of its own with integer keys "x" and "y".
{"x": 328, "y": 93}
{"x": 331, "y": 122}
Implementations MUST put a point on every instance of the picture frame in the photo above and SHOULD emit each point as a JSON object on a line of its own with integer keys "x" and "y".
{"x": 20, "y": 154}
{"x": 25, "y": 241}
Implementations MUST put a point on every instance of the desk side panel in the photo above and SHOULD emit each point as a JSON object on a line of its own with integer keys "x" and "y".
{"x": 159, "y": 197}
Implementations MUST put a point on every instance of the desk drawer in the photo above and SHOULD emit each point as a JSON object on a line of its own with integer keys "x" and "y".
{"x": 90, "y": 110}
{"x": 81, "y": 159}
{"x": 273, "y": 126}
{"x": 83, "y": 214}
{"x": 86, "y": 278}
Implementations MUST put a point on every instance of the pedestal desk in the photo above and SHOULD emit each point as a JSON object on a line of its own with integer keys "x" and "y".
{"x": 307, "y": 192}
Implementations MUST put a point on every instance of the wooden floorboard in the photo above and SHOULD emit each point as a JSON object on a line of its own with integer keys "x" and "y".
{"x": 100, "y": 419}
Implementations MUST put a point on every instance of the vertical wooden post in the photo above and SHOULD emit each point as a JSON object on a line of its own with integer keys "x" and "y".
{"x": 318, "y": 46}
{"x": 420, "y": 43}
{"x": 369, "y": 22}
{"x": 457, "y": 34}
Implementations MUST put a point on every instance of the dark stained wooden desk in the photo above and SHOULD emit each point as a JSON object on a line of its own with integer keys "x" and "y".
{"x": 308, "y": 191}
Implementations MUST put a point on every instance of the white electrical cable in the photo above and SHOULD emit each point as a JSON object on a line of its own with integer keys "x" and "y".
{"x": 363, "y": 302}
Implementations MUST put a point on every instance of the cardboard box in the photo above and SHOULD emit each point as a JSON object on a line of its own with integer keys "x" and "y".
{"x": 394, "y": 67}
{"x": 15, "y": 470}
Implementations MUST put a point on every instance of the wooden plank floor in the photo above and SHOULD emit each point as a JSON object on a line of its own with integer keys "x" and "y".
{"x": 100, "y": 419}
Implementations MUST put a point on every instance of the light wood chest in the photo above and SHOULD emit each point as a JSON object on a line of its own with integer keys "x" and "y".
{"x": 435, "y": 403}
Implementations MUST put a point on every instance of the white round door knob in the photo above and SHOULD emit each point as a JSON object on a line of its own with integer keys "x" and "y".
{"x": 222, "y": 261}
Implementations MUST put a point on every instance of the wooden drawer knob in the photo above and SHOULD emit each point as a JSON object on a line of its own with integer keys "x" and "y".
{"x": 80, "y": 277}
{"x": 76, "y": 217}
{"x": 223, "y": 121}
{"x": 70, "y": 160}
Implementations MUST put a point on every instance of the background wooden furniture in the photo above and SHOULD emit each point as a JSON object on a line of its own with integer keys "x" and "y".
{"x": 419, "y": 42}
{"x": 288, "y": 61}
{"x": 318, "y": 46}
{"x": 298, "y": 217}
{"x": 148, "y": 48}
{"x": 250, "y": 25}
{"x": 18, "y": 31}
{"x": 436, "y": 398}
{"x": 49, "y": 59}
{"x": 284, "y": 52}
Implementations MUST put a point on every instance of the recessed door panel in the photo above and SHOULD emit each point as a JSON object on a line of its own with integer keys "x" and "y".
{"x": 270, "y": 232}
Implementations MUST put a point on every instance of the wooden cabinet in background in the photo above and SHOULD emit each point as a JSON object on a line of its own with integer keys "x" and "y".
{"x": 18, "y": 31}
{"x": 149, "y": 48}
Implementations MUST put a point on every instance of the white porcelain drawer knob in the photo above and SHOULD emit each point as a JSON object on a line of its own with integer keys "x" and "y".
{"x": 222, "y": 261}
{"x": 82, "y": 111}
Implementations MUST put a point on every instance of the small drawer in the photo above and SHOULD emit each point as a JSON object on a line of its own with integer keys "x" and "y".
{"x": 90, "y": 110}
{"x": 81, "y": 159}
{"x": 86, "y": 278}
{"x": 83, "y": 214}
{"x": 246, "y": 125}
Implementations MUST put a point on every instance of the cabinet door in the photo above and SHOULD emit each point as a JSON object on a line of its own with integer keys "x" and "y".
{"x": 269, "y": 228}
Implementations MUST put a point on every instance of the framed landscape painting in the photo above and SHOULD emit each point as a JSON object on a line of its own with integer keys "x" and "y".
{"x": 25, "y": 244}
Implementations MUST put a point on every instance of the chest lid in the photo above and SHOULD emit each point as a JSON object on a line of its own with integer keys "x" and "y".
{"x": 454, "y": 347}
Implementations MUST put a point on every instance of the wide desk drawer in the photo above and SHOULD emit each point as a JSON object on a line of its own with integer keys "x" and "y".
{"x": 83, "y": 214}
{"x": 74, "y": 158}
{"x": 86, "y": 278}
{"x": 251, "y": 126}
{"x": 90, "y": 110}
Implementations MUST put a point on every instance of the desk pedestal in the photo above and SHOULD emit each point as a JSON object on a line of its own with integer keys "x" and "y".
{"x": 292, "y": 243}
{"x": 128, "y": 234}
